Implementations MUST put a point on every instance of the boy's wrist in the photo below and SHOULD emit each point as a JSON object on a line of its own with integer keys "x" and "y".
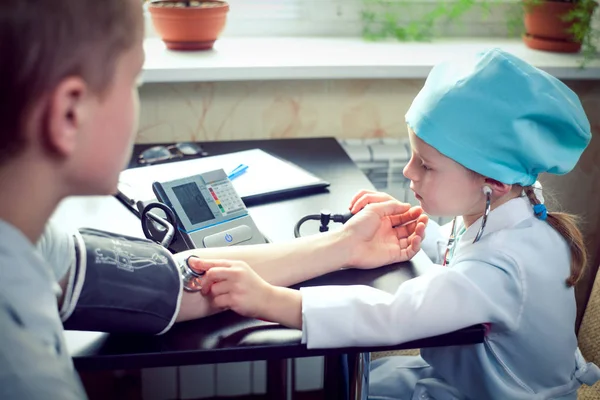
{"x": 341, "y": 243}
{"x": 347, "y": 244}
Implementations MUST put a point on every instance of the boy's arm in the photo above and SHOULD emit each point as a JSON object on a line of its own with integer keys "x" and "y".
{"x": 286, "y": 263}
{"x": 300, "y": 265}
{"x": 98, "y": 282}
{"x": 377, "y": 236}
{"x": 304, "y": 258}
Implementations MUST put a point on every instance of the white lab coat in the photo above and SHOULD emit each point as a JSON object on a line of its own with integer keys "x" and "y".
{"x": 513, "y": 278}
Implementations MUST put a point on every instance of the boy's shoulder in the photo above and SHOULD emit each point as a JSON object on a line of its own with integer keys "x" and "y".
{"x": 57, "y": 247}
{"x": 18, "y": 256}
{"x": 54, "y": 252}
{"x": 11, "y": 236}
{"x": 27, "y": 284}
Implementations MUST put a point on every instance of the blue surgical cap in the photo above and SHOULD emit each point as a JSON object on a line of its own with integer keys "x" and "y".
{"x": 500, "y": 117}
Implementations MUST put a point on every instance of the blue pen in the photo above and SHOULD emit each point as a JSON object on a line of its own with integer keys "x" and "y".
{"x": 239, "y": 170}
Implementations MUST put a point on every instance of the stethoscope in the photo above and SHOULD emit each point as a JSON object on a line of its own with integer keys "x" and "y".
{"x": 488, "y": 205}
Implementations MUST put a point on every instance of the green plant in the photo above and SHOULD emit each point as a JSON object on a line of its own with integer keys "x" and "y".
{"x": 583, "y": 30}
{"x": 385, "y": 19}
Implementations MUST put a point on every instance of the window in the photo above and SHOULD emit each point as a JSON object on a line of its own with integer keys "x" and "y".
{"x": 342, "y": 18}
{"x": 265, "y": 9}
{"x": 293, "y": 18}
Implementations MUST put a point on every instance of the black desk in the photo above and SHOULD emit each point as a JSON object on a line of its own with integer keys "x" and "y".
{"x": 227, "y": 337}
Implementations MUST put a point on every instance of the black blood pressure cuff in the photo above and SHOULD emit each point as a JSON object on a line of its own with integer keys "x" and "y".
{"x": 121, "y": 284}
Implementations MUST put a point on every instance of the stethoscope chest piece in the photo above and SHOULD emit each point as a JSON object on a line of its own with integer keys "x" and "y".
{"x": 192, "y": 280}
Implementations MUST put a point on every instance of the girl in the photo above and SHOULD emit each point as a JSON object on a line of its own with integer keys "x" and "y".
{"x": 481, "y": 131}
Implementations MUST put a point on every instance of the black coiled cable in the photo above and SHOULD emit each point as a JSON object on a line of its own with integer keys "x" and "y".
{"x": 325, "y": 217}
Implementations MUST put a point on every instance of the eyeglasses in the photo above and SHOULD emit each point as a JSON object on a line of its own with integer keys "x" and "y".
{"x": 163, "y": 153}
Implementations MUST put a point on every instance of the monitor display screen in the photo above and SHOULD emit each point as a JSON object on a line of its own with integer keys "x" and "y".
{"x": 193, "y": 203}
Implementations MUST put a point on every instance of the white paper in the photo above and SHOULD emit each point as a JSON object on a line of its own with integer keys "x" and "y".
{"x": 265, "y": 174}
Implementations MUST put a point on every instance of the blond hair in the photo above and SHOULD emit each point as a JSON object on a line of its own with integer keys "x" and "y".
{"x": 566, "y": 225}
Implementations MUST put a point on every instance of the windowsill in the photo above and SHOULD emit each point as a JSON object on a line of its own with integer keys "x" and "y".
{"x": 240, "y": 59}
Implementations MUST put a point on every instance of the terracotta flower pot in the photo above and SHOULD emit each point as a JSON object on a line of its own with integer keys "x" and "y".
{"x": 546, "y": 29}
{"x": 193, "y": 27}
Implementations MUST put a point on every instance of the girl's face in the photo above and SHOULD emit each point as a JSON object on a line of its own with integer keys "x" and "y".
{"x": 442, "y": 186}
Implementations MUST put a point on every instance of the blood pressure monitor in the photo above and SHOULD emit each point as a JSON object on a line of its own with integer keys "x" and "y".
{"x": 209, "y": 211}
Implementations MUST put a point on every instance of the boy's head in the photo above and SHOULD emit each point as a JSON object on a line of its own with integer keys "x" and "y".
{"x": 491, "y": 119}
{"x": 68, "y": 88}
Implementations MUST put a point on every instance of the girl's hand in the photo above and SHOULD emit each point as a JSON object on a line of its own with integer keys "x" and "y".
{"x": 233, "y": 285}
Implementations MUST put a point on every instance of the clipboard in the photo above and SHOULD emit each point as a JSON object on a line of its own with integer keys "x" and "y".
{"x": 267, "y": 178}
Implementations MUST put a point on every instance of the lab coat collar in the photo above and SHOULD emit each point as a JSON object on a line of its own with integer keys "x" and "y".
{"x": 505, "y": 216}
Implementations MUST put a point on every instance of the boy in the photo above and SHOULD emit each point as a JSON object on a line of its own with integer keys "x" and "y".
{"x": 69, "y": 101}
{"x": 69, "y": 107}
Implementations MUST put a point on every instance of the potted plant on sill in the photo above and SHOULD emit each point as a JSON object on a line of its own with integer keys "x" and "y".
{"x": 188, "y": 25}
{"x": 561, "y": 26}
{"x": 382, "y": 19}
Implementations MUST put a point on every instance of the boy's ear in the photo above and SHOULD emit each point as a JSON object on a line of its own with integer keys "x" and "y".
{"x": 499, "y": 189}
{"x": 67, "y": 112}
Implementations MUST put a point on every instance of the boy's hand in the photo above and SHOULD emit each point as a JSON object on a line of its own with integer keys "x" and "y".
{"x": 384, "y": 230}
{"x": 235, "y": 286}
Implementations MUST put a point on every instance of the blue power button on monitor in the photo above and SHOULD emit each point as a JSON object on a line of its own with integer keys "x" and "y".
{"x": 228, "y": 238}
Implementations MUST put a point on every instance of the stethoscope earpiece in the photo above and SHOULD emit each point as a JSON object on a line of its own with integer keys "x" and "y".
{"x": 488, "y": 205}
